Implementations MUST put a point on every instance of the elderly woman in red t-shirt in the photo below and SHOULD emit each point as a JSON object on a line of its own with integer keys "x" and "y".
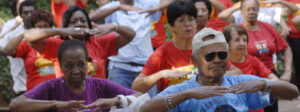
{"x": 77, "y": 25}
{"x": 237, "y": 39}
{"x": 264, "y": 40}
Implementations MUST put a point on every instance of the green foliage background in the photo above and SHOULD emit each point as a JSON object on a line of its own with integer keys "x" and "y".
{"x": 5, "y": 15}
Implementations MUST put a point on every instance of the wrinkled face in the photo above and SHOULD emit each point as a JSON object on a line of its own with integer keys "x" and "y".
{"x": 238, "y": 43}
{"x": 250, "y": 11}
{"x": 27, "y": 11}
{"x": 216, "y": 67}
{"x": 203, "y": 15}
{"x": 185, "y": 26}
{"x": 74, "y": 66}
{"x": 42, "y": 24}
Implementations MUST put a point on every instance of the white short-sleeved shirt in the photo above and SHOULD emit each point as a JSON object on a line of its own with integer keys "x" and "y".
{"x": 269, "y": 15}
{"x": 140, "y": 48}
{"x": 8, "y": 25}
{"x": 17, "y": 67}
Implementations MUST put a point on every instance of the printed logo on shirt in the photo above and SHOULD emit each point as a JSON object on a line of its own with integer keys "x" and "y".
{"x": 261, "y": 47}
{"x": 44, "y": 66}
{"x": 225, "y": 108}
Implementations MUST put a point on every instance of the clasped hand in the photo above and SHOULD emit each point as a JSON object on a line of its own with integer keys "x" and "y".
{"x": 211, "y": 91}
{"x": 101, "y": 104}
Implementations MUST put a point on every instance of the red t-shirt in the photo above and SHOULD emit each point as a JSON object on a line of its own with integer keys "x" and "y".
{"x": 216, "y": 23}
{"x": 264, "y": 42}
{"x": 252, "y": 66}
{"x": 58, "y": 10}
{"x": 99, "y": 49}
{"x": 166, "y": 57}
{"x": 160, "y": 38}
{"x": 295, "y": 33}
{"x": 29, "y": 56}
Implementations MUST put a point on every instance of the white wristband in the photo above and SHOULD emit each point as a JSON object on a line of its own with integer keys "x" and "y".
{"x": 116, "y": 25}
{"x": 124, "y": 102}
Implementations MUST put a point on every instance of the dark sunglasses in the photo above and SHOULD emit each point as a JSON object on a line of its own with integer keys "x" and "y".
{"x": 211, "y": 56}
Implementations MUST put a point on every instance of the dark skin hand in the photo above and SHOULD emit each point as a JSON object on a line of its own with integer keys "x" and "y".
{"x": 247, "y": 87}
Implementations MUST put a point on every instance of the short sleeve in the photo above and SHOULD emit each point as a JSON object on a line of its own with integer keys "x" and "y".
{"x": 108, "y": 19}
{"x": 40, "y": 92}
{"x": 170, "y": 90}
{"x": 113, "y": 89}
{"x": 154, "y": 3}
{"x": 51, "y": 47}
{"x": 153, "y": 64}
{"x": 22, "y": 49}
{"x": 280, "y": 43}
{"x": 108, "y": 43}
{"x": 258, "y": 100}
{"x": 263, "y": 71}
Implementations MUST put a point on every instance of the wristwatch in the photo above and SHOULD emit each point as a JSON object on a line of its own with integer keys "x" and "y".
{"x": 268, "y": 87}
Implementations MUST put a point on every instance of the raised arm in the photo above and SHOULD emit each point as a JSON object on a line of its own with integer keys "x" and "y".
{"x": 160, "y": 103}
{"x": 35, "y": 37}
{"x": 125, "y": 34}
{"x": 24, "y": 104}
{"x": 292, "y": 7}
{"x": 13, "y": 44}
{"x": 217, "y": 5}
{"x": 226, "y": 15}
{"x": 102, "y": 13}
{"x": 296, "y": 22}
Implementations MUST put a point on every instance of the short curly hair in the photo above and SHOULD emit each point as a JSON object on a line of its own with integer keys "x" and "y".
{"x": 37, "y": 16}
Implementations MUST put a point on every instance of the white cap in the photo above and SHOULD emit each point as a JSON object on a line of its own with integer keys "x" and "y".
{"x": 198, "y": 42}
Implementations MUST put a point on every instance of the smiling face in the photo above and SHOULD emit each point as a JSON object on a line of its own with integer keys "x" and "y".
{"x": 203, "y": 15}
{"x": 185, "y": 26}
{"x": 249, "y": 10}
{"x": 238, "y": 43}
{"x": 74, "y": 66}
{"x": 215, "y": 68}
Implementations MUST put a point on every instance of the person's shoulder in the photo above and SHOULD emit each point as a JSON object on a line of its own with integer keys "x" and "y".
{"x": 187, "y": 84}
{"x": 53, "y": 83}
{"x": 97, "y": 81}
{"x": 264, "y": 24}
{"x": 165, "y": 48}
{"x": 241, "y": 78}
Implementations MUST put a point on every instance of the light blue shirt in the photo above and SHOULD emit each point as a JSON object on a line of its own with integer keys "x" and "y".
{"x": 140, "y": 48}
{"x": 228, "y": 103}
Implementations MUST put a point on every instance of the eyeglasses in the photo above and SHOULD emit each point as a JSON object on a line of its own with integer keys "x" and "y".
{"x": 221, "y": 54}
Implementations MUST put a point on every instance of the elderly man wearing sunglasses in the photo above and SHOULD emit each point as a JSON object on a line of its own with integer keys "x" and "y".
{"x": 214, "y": 91}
